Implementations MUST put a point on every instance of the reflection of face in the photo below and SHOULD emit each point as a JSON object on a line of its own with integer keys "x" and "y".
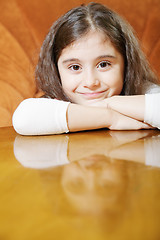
{"x": 93, "y": 184}
{"x": 91, "y": 69}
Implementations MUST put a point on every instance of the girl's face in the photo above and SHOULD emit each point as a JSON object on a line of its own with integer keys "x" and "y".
{"x": 91, "y": 69}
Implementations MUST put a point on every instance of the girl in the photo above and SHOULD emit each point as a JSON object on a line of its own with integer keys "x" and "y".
{"x": 90, "y": 56}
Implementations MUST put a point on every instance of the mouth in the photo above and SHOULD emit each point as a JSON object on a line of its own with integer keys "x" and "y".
{"x": 92, "y": 95}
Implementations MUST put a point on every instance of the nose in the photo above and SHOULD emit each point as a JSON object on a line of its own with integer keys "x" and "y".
{"x": 90, "y": 79}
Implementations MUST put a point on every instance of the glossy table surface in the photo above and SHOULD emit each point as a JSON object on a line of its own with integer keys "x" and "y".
{"x": 94, "y": 185}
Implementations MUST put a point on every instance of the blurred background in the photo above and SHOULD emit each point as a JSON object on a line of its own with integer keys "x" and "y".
{"x": 24, "y": 25}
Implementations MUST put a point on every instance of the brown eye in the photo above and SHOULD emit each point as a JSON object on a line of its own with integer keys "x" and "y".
{"x": 104, "y": 64}
{"x": 75, "y": 67}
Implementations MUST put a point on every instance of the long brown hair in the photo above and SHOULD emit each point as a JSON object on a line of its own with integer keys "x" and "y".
{"x": 75, "y": 24}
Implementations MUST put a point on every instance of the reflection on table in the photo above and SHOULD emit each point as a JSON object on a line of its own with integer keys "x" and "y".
{"x": 50, "y": 151}
{"x": 92, "y": 185}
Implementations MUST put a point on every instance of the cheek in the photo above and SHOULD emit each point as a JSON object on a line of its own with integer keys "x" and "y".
{"x": 118, "y": 84}
{"x": 65, "y": 80}
{"x": 68, "y": 84}
{"x": 119, "y": 77}
{"x": 115, "y": 82}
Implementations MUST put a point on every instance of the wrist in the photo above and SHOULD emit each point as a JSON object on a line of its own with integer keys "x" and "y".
{"x": 86, "y": 118}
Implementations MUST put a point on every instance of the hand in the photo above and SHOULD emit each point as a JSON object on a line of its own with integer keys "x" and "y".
{"x": 131, "y": 106}
{"x": 122, "y": 122}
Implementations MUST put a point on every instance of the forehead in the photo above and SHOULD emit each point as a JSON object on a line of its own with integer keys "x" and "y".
{"x": 94, "y": 42}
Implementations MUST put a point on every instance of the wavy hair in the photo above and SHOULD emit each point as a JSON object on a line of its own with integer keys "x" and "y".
{"x": 76, "y": 23}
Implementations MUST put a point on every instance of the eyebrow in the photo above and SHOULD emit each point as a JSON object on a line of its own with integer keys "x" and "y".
{"x": 71, "y": 60}
{"x": 99, "y": 57}
{"x": 106, "y": 56}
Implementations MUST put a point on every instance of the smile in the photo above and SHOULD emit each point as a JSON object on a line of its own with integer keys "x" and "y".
{"x": 92, "y": 95}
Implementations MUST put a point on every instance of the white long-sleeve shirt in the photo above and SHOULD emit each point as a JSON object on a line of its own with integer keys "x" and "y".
{"x": 39, "y": 116}
{"x": 152, "y": 109}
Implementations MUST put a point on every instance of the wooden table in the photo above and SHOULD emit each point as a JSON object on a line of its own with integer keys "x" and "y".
{"x": 94, "y": 185}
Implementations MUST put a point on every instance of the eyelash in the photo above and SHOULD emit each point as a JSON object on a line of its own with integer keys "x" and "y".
{"x": 74, "y": 65}
{"x": 108, "y": 64}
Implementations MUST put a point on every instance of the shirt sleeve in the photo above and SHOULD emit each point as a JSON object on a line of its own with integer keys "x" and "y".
{"x": 152, "y": 109}
{"x": 41, "y": 116}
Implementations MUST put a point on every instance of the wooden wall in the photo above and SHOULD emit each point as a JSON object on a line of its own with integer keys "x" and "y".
{"x": 24, "y": 24}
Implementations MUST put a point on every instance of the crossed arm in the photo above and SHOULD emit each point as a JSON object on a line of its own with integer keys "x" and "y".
{"x": 50, "y": 116}
{"x": 116, "y": 113}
